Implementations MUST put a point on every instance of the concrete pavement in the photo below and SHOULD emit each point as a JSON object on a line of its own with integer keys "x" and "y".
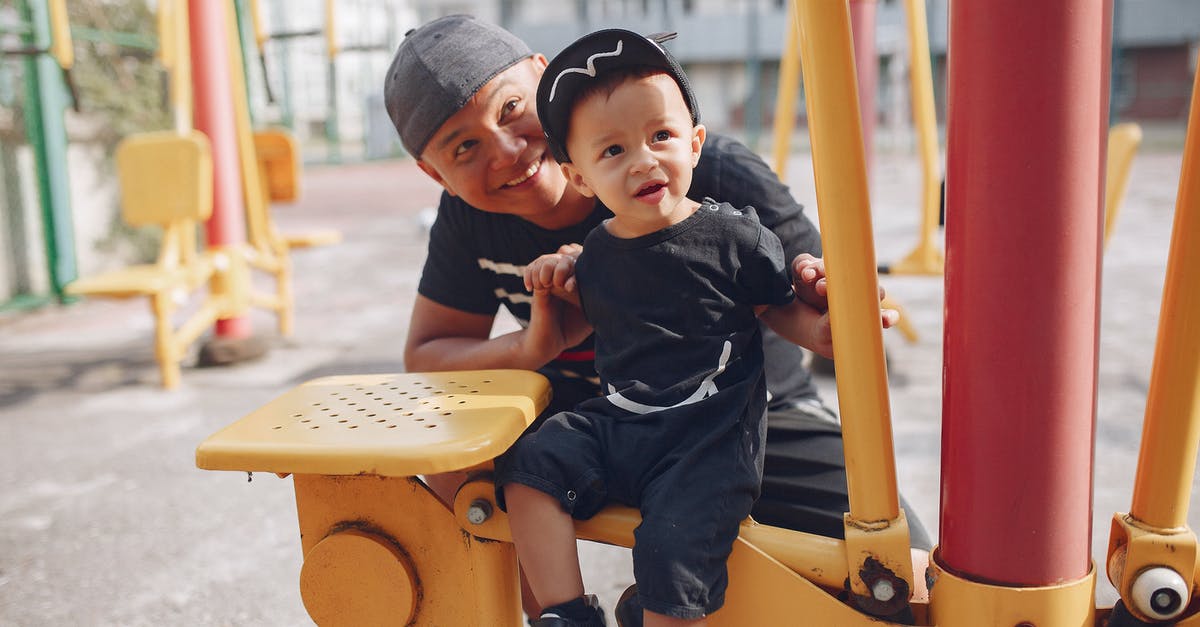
{"x": 104, "y": 519}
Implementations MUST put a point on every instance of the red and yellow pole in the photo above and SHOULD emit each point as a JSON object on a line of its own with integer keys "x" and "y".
{"x": 1027, "y": 118}
{"x": 212, "y": 91}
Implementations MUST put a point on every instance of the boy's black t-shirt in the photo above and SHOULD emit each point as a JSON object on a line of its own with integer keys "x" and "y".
{"x": 476, "y": 259}
{"x": 674, "y": 313}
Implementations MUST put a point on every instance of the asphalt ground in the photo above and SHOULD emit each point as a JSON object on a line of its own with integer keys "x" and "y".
{"x": 105, "y": 520}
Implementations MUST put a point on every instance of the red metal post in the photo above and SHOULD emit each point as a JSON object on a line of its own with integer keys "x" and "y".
{"x": 866, "y": 64}
{"x": 214, "y": 117}
{"x": 1027, "y": 114}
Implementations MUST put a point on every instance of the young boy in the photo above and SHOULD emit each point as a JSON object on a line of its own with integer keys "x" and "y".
{"x": 673, "y": 289}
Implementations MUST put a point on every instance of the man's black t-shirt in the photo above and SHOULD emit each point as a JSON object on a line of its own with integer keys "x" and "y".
{"x": 476, "y": 259}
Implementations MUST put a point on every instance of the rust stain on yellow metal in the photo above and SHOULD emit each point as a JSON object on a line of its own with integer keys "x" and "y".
{"x": 407, "y": 537}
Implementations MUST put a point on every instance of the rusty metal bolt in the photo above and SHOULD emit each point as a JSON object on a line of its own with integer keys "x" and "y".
{"x": 883, "y": 590}
{"x": 479, "y": 511}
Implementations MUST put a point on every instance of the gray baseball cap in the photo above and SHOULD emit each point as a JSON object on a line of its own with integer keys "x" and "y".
{"x": 438, "y": 67}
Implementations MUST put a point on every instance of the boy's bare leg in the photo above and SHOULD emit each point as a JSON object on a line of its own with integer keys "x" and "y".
{"x": 545, "y": 538}
{"x": 445, "y": 486}
{"x": 651, "y": 619}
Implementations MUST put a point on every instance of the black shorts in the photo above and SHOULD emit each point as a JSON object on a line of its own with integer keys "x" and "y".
{"x": 694, "y": 482}
{"x": 804, "y": 476}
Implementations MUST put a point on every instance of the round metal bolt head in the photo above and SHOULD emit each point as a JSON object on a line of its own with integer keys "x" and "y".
{"x": 883, "y": 590}
{"x": 479, "y": 511}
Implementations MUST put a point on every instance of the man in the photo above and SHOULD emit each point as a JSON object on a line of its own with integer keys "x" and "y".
{"x": 461, "y": 94}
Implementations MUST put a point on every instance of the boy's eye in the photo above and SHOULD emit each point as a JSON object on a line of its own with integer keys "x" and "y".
{"x": 613, "y": 151}
{"x": 662, "y": 136}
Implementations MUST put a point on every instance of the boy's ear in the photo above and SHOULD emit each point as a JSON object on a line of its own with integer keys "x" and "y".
{"x": 576, "y": 180}
{"x": 433, "y": 174}
{"x": 698, "y": 135}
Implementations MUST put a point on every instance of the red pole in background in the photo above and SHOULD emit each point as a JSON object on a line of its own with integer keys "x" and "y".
{"x": 1027, "y": 114}
{"x": 214, "y": 117}
{"x": 866, "y": 64}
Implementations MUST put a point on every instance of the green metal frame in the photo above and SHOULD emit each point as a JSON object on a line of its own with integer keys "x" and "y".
{"x": 47, "y": 99}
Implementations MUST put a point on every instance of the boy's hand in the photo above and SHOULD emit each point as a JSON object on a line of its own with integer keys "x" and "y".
{"x": 555, "y": 272}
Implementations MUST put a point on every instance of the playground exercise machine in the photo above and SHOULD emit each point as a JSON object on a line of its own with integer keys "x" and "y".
{"x": 220, "y": 174}
{"x": 379, "y": 548}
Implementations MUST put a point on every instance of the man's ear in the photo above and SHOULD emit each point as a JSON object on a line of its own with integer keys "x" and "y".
{"x": 539, "y": 63}
{"x": 576, "y": 180}
{"x": 433, "y": 174}
{"x": 698, "y": 135}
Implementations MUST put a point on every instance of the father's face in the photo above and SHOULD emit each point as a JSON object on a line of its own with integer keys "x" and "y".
{"x": 492, "y": 153}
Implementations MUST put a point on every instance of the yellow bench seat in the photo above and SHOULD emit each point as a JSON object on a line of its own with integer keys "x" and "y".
{"x": 391, "y": 425}
{"x": 141, "y": 280}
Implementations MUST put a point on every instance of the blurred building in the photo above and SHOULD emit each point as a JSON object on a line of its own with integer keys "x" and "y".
{"x": 731, "y": 50}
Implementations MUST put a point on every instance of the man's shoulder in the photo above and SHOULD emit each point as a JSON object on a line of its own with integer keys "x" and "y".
{"x": 718, "y": 146}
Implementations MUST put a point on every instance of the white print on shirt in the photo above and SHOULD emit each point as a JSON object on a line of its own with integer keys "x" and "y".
{"x": 707, "y": 388}
{"x": 501, "y": 268}
{"x": 512, "y": 298}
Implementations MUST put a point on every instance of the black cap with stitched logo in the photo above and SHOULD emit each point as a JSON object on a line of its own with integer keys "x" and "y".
{"x": 594, "y": 55}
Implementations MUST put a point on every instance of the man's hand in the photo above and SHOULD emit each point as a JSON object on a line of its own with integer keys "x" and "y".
{"x": 808, "y": 281}
{"x": 812, "y": 289}
{"x": 554, "y": 326}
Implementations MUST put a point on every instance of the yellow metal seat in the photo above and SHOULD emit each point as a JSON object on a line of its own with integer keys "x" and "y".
{"x": 165, "y": 180}
{"x": 143, "y": 279}
{"x": 279, "y": 165}
{"x": 380, "y": 548}
{"x": 1123, "y": 142}
{"x": 393, "y": 425}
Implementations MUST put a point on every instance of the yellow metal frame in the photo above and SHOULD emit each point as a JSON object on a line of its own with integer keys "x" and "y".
{"x": 380, "y": 547}
{"x": 927, "y": 257}
{"x": 1154, "y": 533}
{"x": 61, "y": 46}
{"x": 279, "y": 170}
{"x": 174, "y": 45}
{"x": 165, "y": 180}
{"x": 1123, "y": 142}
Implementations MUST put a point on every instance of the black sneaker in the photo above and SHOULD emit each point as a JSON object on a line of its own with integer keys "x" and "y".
{"x": 629, "y": 609}
{"x": 595, "y": 616}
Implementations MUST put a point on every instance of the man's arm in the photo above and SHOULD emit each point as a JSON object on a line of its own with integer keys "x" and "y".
{"x": 443, "y": 338}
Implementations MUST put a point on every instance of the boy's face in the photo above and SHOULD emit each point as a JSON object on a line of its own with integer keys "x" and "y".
{"x": 635, "y": 149}
{"x": 492, "y": 152}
